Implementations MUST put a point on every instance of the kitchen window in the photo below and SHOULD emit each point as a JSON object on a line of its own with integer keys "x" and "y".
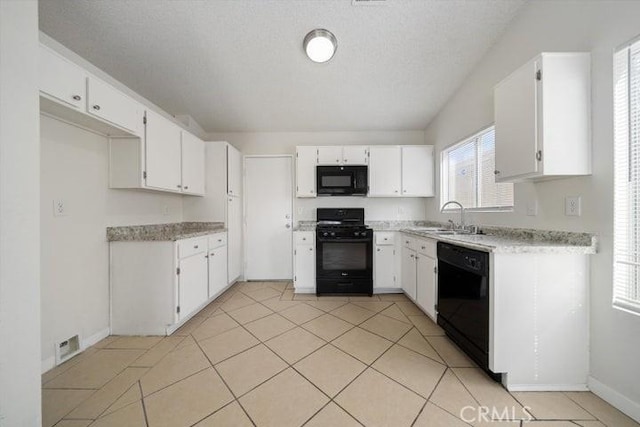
{"x": 467, "y": 174}
{"x": 626, "y": 251}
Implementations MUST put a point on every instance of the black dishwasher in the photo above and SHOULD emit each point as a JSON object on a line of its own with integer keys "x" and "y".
{"x": 463, "y": 299}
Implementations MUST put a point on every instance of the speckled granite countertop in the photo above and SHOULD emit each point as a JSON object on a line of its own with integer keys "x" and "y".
{"x": 494, "y": 239}
{"x": 166, "y": 232}
{"x": 516, "y": 240}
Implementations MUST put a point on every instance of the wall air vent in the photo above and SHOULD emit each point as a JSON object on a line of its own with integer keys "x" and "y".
{"x": 368, "y": 2}
{"x": 67, "y": 349}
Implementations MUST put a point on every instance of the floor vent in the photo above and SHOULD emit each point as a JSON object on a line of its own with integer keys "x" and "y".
{"x": 67, "y": 349}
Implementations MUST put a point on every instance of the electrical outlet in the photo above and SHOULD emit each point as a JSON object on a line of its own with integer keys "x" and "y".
{"x": 59, "y": 208}
{"x": 532, "y": 208}
{"x": 572, "y": 206}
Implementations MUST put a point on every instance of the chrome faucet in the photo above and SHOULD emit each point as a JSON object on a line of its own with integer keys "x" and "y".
{"x": 460, "y": 226}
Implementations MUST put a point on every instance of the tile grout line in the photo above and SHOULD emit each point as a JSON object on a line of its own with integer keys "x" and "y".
{"x": 144, "y": 406}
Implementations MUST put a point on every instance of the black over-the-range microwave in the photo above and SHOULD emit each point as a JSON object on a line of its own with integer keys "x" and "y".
{"x": 342, "y": 181}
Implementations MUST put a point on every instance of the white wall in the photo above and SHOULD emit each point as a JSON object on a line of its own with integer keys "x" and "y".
{"x": 305, "y": 209}
{"x": 19, "y": 222}
{"x": 596, "y": 27}
{"x": 75, "y": 252}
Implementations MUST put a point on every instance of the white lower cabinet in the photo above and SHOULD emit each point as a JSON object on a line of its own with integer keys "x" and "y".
{"x": 193, "y": 288}
{"x": 385, "y": 256}
{"x": 157, "y": 285}
{"x": 427, "y": 276}
{"x": 419, "y": 274}
{"x": 409, "y": 276}
{"x": 304, "y": 262}
{"x": 217, "y": 264}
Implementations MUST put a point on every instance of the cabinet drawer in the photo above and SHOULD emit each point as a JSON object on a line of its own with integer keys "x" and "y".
{"x": 217, "y": 240}
{"x": 189, "y": 247}
{"x": 427, "y": 247}
{"x": 304, "y": 237}
{"x": 385, "y": 238}
{"x": 409, "y": 242}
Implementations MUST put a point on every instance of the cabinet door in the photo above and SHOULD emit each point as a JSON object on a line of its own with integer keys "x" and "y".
{"x": 234, "y": 171}
{"x": 108, "y": 103}
{"x": 61, "y": 79}
{"x": 384, "y": 267}
{"x": 234, "y": 239}
{"x": 306, "y": 161}
{"x": 417, "y": 171}
{"x": 192, "y": 284}
{"x": 192, "y": 164}
{"x": 409, "y": 272}
{"x": 217, "y": 270}
{"x": 355, "y": 155}
{"x": 515, "y": 100}
{"x": 330, "y": 155}
{"x": 385, "y": 171}
{"x": 426, "y": 285}
{"x": 304, "y": 267}
{"x": 162, "y": 145}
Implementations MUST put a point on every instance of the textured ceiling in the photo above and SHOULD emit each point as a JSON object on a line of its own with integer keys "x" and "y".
{"x": 238, "y": 65}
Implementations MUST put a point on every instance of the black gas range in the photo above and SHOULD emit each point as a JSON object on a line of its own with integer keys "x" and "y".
{"x": 344, "y": 252}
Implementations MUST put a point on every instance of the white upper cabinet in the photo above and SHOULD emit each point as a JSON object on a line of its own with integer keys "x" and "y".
{"x": 355, "y": 155}
{"x": 542, "y": 119}
{"x": 306, "y": 161}
{"x": 417, "y": 171}
{"x": 385, "y": 171}
{"x": 330, "y": 155}
{"x": 234, "y": 165}
{"x": 108, "y": 103}
{"x": 343, "y": 155}
{"x": 192, "y": 164}
{"x": 61, "y": 79}
{"x": 163, "y": 153}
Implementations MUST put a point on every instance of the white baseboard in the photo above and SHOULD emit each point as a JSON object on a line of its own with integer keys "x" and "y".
{"x": 47, "y": 364}
{"x": 50, "y": 362}
{"x": 548, "y": 387}
{"x": 615, "y": 398}
{"x": 304, "y": 290}
{"x": 387, "y": 291}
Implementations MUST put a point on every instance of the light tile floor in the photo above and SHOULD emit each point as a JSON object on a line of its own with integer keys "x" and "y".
{"x": 260, "y": 355}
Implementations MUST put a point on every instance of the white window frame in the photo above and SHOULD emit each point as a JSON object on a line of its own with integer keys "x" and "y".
{"x": 626, "y": 254}
{"x": 444, "y": 173}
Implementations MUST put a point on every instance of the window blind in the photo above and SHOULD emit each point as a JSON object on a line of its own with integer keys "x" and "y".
{"x": 468, "y": 174}
{"x": 626, "y": 262}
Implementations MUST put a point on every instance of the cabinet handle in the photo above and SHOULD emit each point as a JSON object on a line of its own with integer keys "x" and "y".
{"x": 378, "y": 249}
{"x": 413, "y": 256}
{"x": 179, "y": 186}
{"x": 337, "y": 161}
{"x": 496, "y": 172}
{"x": 211, "y": 254}
{"x": 406, "y": 242}
{"x": 195, "y": 246}
{"x": 219, "y": 240}
{"x": 186, "y": 187}
{"x": 424, "y": 247}
{"x": 395, "y": 191}
{"x": 311, "y": 249}
{"x": 539, "y": 155}
{"x": 76, "y": 97}
{"x": 404, "y": 191}
{"x": 96, "y": 107}
{"x": 304, "y": 238}
{"x": 346, "y": 160}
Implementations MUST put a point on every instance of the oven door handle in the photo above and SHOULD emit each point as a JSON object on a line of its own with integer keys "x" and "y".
{"x": 321, "y": 240}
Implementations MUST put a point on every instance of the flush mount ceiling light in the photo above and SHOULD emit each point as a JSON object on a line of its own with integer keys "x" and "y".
{"x": 320, "y": 45}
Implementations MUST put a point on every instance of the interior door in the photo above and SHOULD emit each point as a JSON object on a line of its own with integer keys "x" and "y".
{"x": 269, "y": 201}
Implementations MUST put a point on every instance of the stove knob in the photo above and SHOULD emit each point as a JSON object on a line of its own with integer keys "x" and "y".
{"x": 325, "y": 234}
{"x": 333, "y": 233}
